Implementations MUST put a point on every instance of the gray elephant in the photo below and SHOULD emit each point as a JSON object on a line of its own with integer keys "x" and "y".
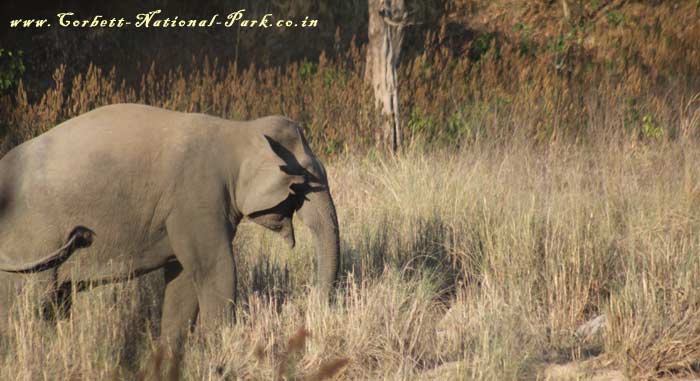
{"x": 126, "y": 189}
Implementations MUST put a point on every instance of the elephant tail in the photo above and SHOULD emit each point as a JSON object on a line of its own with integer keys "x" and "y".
{"x": 79, "y": 237}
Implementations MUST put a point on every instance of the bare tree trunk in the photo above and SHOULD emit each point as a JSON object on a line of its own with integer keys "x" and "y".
{"x": 386, "y": 29}
{"x": 565, "y": 9}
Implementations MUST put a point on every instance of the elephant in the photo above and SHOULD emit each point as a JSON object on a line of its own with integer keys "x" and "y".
{"x": 127, "y": 189}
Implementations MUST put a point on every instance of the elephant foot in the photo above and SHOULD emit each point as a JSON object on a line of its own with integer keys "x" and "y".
{"x": 165, "y": 363}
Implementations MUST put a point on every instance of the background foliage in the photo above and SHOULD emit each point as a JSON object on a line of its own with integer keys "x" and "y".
{"x": 631, "y": 64}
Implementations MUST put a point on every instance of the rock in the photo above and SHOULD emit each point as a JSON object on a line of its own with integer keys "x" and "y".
{"x": 592, "y": 329}
{"x": 581, "y": 370}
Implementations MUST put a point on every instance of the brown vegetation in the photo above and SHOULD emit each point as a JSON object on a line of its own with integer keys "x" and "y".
{"x": 624, "y": 71}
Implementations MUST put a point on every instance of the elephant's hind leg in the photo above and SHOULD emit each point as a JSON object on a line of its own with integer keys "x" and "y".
{"x": 58, "y": 305}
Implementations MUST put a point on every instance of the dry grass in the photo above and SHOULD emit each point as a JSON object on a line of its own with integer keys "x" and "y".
{"x": 474, "y": 264}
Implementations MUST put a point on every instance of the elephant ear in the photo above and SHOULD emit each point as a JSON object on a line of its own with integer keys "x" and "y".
{"x": 264, "y": 181}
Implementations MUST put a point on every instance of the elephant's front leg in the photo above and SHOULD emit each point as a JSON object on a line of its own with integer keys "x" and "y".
{"x": 179, "y": 313}
{"x": 202, "y": 245}
{"x": 179, "y": 306}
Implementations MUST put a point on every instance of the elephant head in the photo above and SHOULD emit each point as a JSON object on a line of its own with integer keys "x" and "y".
{"x": 280, "y": 176}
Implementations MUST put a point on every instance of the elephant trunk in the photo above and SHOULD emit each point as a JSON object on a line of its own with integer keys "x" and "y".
{"x": 318, "y": 213}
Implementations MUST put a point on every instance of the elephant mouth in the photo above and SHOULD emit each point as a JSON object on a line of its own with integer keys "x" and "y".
{"x": 277, "y": 223}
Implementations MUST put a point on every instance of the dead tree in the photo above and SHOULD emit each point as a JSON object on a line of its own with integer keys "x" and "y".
{"x": 387, "y": 20}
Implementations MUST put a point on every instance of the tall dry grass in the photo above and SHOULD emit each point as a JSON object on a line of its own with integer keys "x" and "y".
{"x": 468, "y": 264}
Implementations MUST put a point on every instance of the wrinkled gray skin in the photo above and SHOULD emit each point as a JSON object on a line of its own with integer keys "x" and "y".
{"x": 126, "y": 189}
